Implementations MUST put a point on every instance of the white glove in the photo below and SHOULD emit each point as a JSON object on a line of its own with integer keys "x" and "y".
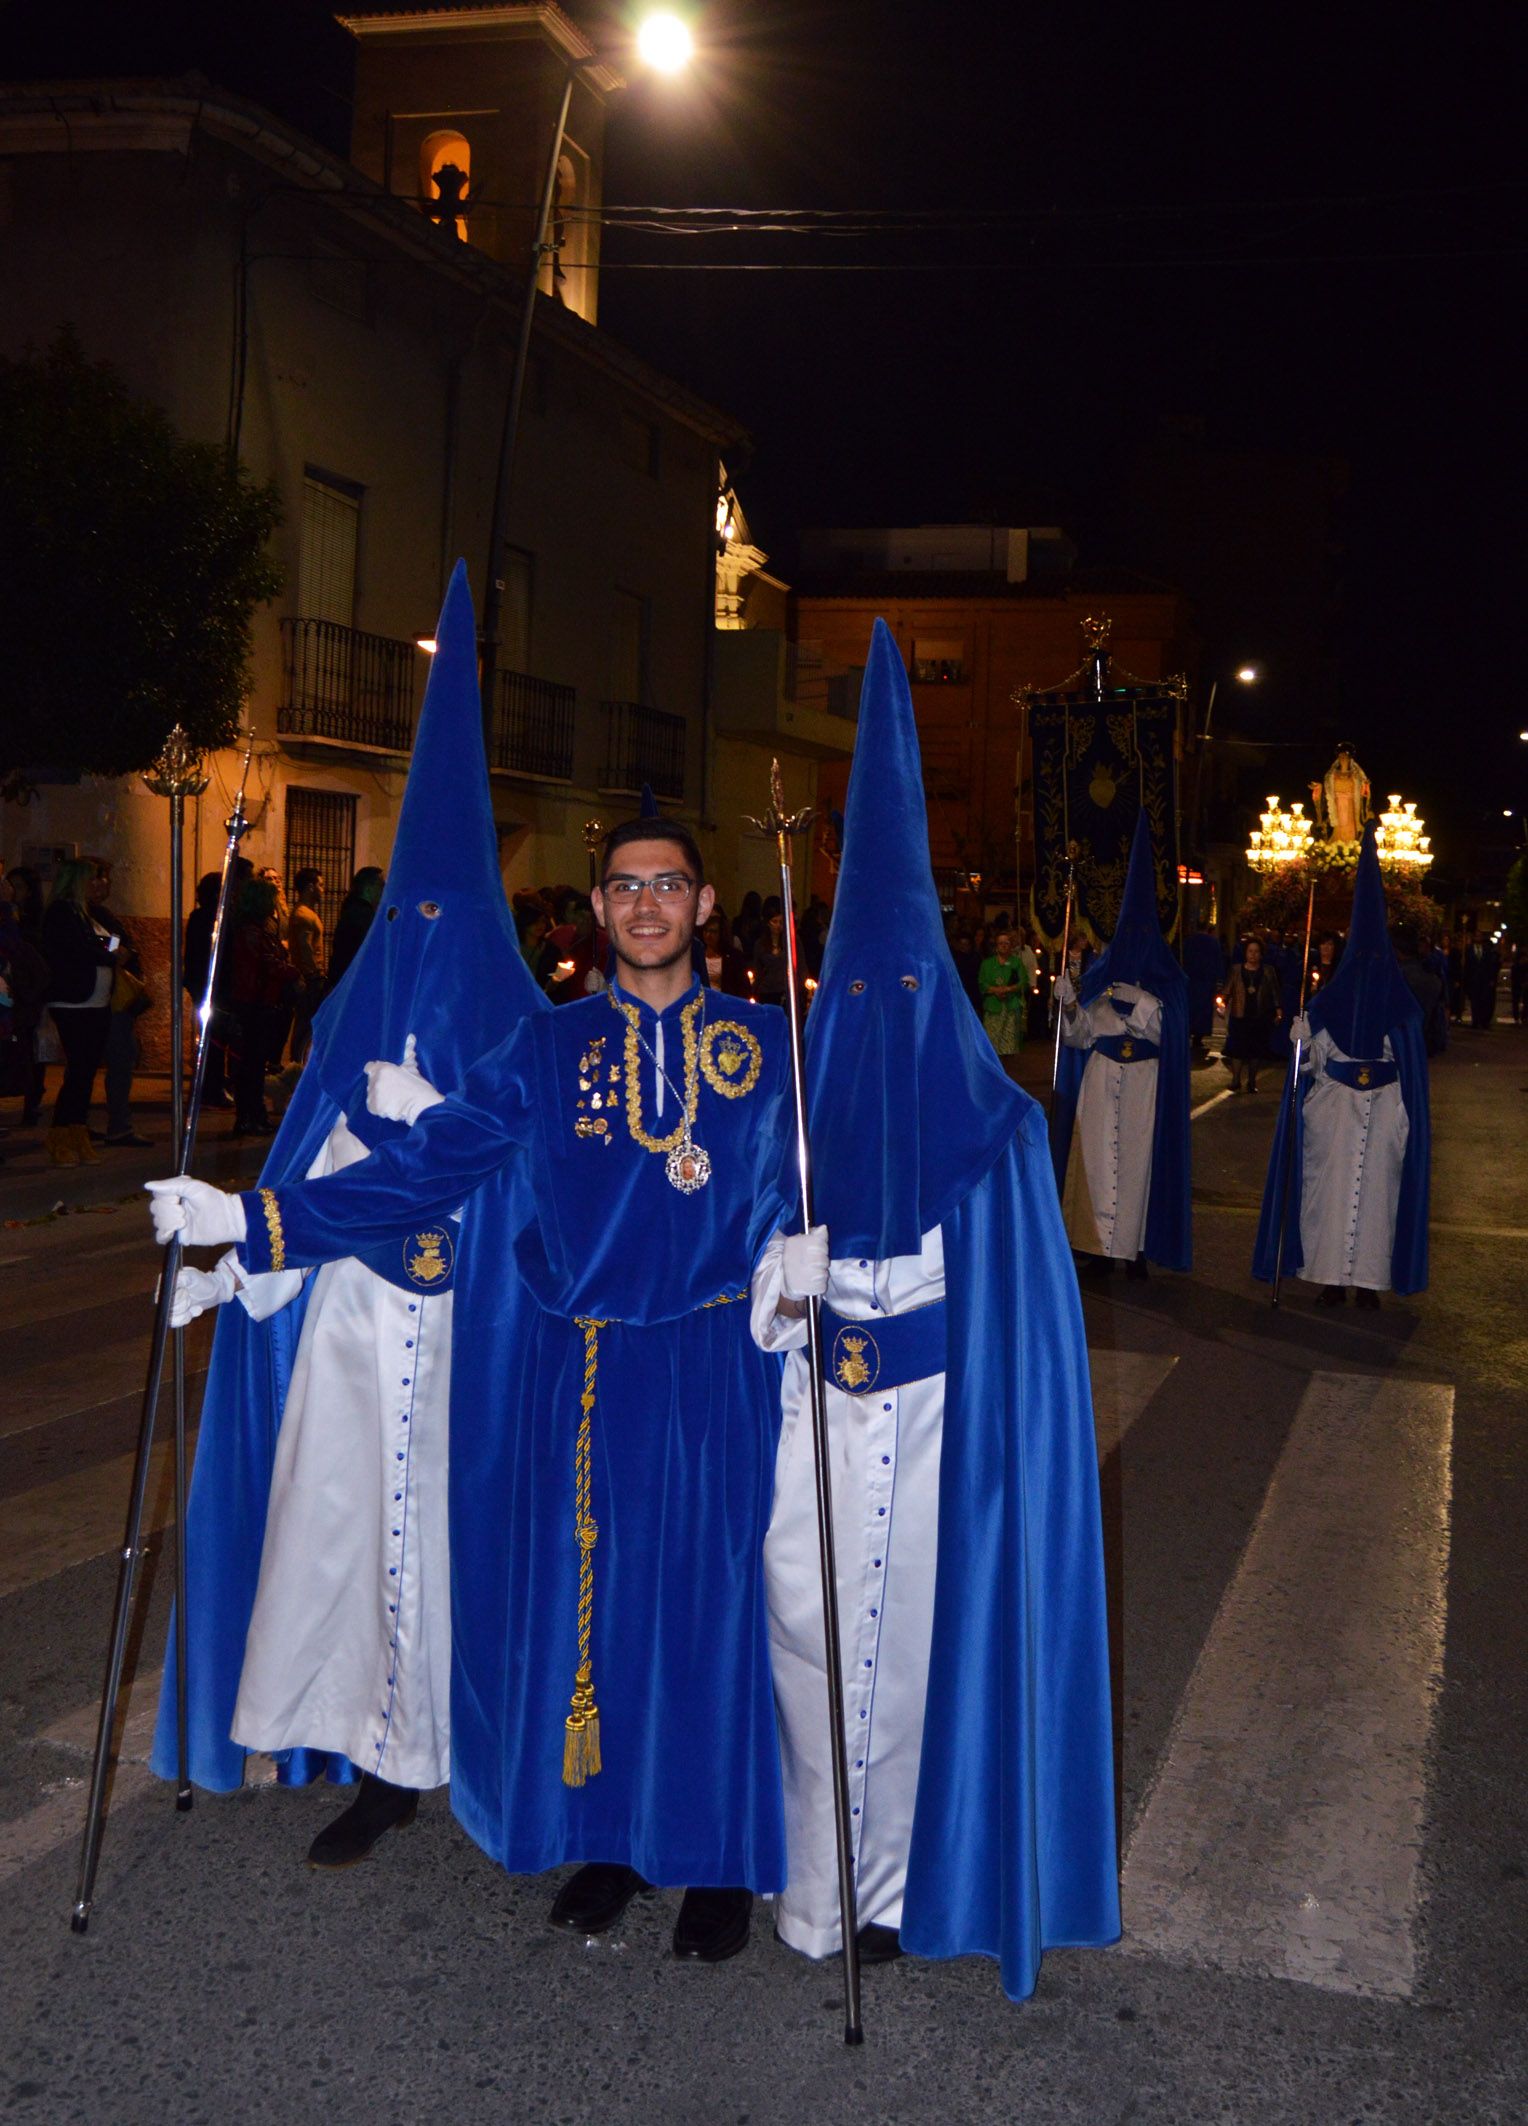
{"x": 804, "y": 1264}
{"x": 1299, "y": 1029}
{"x": 1066, "y": 993}
{"x": 203, "y": 1216}
{"x": 197, "y": 1290}
{"x": 400, "y": 1092}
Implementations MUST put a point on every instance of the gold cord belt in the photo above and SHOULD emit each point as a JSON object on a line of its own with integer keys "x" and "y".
{"x": 581, "y": 1730}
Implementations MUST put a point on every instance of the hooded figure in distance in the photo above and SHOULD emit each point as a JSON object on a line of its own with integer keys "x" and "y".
{"x": 965, "y": 1485}
{"x": 326, "y": 1511}
{"x": 1119, "y": 1122}
{"x": 1357, "y": 1170}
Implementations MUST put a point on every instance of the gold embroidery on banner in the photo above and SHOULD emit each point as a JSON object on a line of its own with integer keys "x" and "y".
{"x": 851, "y": 1369}
{"x": 730, "y": 1058}
{"x": 272, "y": 1212}
{"x": 679, "y": 1134}
{"x": 587, "y": 1126}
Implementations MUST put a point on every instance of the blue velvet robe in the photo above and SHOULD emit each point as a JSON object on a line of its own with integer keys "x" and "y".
{"x": 1013, "y": 1846}
{"x": 562, "y": 1222}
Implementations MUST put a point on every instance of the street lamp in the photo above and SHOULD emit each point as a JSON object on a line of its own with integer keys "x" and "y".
{"x": 663, "y": 42}
{"x": 1246, "y": 675}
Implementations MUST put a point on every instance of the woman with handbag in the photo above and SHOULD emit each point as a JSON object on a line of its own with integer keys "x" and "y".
{"x": 81, "y": 959}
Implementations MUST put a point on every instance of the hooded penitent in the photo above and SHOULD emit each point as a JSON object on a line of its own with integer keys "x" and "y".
{"x": 914, "y": 1124}
{"x": 1367, "y": 1001}
{"x": 1138, "y": 954}
{"x": 910, "y": 1105}
{"x": 440, "y": 961}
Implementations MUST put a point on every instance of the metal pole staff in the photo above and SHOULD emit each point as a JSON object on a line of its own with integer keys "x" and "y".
{"x": 493, "y": 591}
{"x": 1066, "y": 939}
{"x": 783, "y": 826}
{"x": 170, "y": 769}
{"x": 1294, "y": 1094}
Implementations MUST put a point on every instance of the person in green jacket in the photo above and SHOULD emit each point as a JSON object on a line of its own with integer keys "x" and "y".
{"x": 1004, "y": 984}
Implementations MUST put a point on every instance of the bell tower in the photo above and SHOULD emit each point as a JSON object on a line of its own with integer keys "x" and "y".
{"x": 455, "y": 109}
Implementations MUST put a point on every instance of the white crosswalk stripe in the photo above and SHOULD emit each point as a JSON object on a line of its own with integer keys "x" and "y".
{"x": 1282, "y": 1834}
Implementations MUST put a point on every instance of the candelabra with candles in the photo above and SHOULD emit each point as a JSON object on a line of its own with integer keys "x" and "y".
{"x": 1281, "y": 838}
{"x": 1398, "y": 838}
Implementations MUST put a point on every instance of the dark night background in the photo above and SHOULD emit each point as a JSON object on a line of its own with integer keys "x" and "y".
{"x": 1226, "y": 293}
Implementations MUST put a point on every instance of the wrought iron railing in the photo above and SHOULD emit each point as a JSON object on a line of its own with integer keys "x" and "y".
{"x": 342, "y": 685}
{"x": 533, "y": 728}
{"x": 643, "y": 746}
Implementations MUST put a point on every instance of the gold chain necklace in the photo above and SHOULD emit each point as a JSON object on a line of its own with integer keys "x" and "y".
{"x": 689, "y": 1166}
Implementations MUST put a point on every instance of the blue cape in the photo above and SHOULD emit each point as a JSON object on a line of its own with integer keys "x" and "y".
{"x": 440, "y": 961}
{"x": 914, "y": 1123}
{"x": 1367, "y": 999}
{"x": 1138, "y": 953}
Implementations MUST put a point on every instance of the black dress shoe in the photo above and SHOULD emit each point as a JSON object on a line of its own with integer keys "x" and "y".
{"x": 131, "y": 1141}
{"x": 1363, "y": 1297}
{"x": 1136, "y": 1267}
{"x": 593, "y": 1900}
{"x": 878, "y": 1944}
{"x": 377, "y": 1809}
{"x": 712, "y": 1925}
{"x": 1331, "y": 1295}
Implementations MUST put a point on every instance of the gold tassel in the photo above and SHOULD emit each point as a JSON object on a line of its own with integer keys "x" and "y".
{"x": 581, "y": 1730}
{"x": 581, "y": 1741}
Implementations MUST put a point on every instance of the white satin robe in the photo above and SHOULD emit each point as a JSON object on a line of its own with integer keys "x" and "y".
{"x": 349, "y": 1646}
{"x": 1350, "y": 1184}
{"x": 885, "y": 1479}
{"x": 1108, "y": 1171}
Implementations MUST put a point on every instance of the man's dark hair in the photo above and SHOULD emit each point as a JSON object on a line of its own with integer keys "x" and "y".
{"x": 305, "y": 879}
{"x": 654, "y": 830}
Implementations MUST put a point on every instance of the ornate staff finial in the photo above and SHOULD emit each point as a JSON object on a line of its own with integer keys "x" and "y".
{"x": 593, "y": 830}
{"x": 179, "y": 770}
{"x": 777, "y": 821}
{"x": 1096, "y": 633}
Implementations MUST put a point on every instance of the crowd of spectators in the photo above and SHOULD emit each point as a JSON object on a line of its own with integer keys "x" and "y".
{"x": 72, "y": 984}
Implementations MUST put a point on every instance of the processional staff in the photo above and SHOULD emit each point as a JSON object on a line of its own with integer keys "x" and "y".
{"x": 783, "y": 826}
{"x": 177, "y": 775}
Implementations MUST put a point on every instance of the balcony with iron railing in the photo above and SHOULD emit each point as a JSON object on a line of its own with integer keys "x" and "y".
{"x": 643, "y": 745}
{"x": 532, "y": 728}
{"x": 345, "y": 688}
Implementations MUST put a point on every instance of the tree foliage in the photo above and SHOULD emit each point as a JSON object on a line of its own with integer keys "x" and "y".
{"x": 131, "y": 564}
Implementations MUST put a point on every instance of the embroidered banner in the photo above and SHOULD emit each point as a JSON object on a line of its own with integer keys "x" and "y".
{"x": 1096, "y": 763}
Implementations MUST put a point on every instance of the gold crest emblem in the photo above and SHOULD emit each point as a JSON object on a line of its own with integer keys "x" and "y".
{"x": 730, "y": 1059}
{"x": 856, "y": 1361}
{"x": 1126, "y": 1050}
{"x": 430, "y": 1259}
{"x": 1365, "y": 1075}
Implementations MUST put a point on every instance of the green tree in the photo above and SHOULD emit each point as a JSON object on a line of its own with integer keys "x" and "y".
{"x": 131, "y": 563}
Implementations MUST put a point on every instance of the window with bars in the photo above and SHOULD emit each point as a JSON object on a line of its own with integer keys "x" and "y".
{"x": 326, "y": 569}
{"x": 320, "y": 836}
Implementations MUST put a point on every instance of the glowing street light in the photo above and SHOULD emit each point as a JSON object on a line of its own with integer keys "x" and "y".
{"x": 1248, "y": 674}
{"x": 665, "y": 44}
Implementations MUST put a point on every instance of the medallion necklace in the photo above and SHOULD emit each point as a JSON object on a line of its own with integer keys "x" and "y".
{"x": 689, "y": 1164}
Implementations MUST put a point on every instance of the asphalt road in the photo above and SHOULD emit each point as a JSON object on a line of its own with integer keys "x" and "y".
{"x": 1314, "y": 1528}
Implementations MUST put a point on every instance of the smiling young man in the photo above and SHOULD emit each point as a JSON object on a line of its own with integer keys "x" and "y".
{"x": 623, "y": 1161}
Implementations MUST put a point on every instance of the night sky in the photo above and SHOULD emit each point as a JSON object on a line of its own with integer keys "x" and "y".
{"x": 1227, "y": 292}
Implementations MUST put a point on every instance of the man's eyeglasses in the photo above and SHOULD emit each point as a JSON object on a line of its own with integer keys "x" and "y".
{"x": 672, "y": 886}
